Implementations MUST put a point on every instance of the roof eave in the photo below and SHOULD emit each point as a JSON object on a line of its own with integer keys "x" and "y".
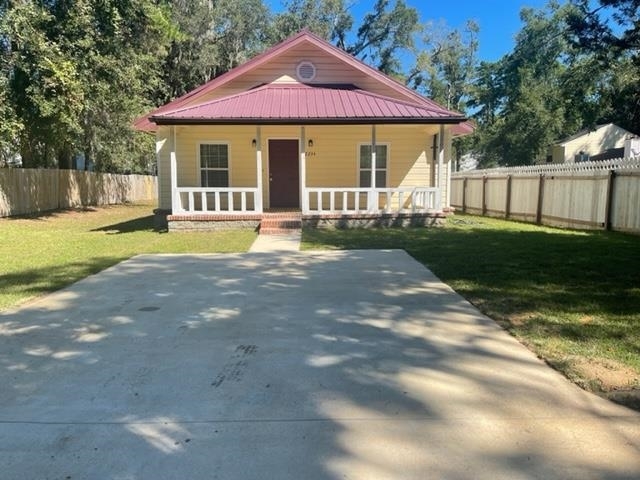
{"x": 310, "y": 121}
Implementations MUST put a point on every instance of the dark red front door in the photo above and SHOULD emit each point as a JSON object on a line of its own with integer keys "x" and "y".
{"x": 284, "y": 174}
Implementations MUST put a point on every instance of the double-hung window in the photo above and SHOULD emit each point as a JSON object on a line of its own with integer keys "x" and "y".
{"x": 380, "y": 167}
{"x": 214, "y": 165}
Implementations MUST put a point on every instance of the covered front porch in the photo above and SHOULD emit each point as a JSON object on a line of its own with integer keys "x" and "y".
{"x": 341, "y": 175}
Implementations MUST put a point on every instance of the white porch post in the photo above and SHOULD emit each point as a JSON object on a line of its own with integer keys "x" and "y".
{"x": 440, "y": 167}
{"x": 258, "y": 199}
{"x": 448, "y": 183}
{"x": 303, "y": 172}
{"x": 173, "y": 168}
{"x": 373, "y": 202}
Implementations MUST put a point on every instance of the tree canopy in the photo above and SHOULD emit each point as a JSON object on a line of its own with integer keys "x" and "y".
{"x": 74, "y": 74}
{"x": 573, "y": 66}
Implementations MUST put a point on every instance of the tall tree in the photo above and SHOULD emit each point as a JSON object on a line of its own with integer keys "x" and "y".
{"x": 444, "y": 69}
{"x": 10, "y": 125}
{"x": 610, "y": 31}
{"x": 611, "y": 27}
{"x": 384, "y": 34}
{"x": 520, "y": 100}
{"x": 79, "y": 73}
{"x": 446, "y": 64}
{"x": 42, "y": 82}
{"x": 211, "y": 38}
{"x": 329, "y": 19}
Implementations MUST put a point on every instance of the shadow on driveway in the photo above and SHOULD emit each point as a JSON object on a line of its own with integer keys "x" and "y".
{"x": 324, "y": 365}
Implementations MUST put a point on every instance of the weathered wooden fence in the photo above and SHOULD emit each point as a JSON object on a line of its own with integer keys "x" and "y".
{"x": 593, "y": 195}
{"x": 27, "y": 191}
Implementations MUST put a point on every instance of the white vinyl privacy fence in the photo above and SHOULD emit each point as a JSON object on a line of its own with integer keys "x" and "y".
{"x": 27, "y": 191}
{"x": 592, "y": 195}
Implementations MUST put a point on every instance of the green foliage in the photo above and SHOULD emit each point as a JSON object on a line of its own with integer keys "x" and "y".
{"x": 446, "y": 64}
{"x": 328, "y": 19}
{"x": 212, "y": 38}
{"x": 610, "y": 28}
{"x": 10, "y": 126}
{"x": 572, "y": 67}
{"x": 610, "y": 32}
{"x": 520, "y": 98}
{"x": 43, "y": 83}
{"x": 384, "y": 34}
{"x": 78, "y": 73}
{"x": 75, "y": 74}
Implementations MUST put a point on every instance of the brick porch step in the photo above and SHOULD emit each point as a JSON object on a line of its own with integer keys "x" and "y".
{"x": 275, "y": 223}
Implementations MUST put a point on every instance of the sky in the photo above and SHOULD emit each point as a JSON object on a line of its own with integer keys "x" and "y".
{"x": 499, "y": 20}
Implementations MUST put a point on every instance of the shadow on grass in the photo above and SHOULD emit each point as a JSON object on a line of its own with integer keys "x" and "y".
{"x": 141, "y": 224}
{"x": 517, "y": 271}
{"x": 48, "y": 214}
{"x": 579, "y": 288}
{"x": 34, "y": 282}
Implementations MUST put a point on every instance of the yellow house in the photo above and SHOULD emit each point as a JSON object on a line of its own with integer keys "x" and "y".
{"x": 303, "y": 128}
{"x": 601, "y": 142}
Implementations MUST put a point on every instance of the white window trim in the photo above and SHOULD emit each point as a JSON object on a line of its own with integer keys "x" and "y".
{"x": 198, "y": 163}
{"x": 388, "y": 169}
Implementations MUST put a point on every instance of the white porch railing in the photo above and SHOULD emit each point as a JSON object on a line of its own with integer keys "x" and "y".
{"x": 365, "y": 200}
{"x": 220, "y": 201}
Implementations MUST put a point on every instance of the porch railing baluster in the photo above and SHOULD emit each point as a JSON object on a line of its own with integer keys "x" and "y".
{"x": 223, "y": 200}
{"x": 421, "y": 199}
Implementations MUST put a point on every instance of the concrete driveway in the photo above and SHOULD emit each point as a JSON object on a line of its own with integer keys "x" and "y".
{"x": 333, "y": 365}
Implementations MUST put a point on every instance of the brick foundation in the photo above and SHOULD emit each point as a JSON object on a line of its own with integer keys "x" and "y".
{"x": 374, "y": 221}
{"x": 182, "y": 223}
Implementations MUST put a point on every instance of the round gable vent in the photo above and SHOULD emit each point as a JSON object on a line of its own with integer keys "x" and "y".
{"x": 306, "y": 71}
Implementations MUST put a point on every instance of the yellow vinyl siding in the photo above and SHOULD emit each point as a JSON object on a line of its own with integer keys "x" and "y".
{"x": 242, "y": 156}
{"x": 333, "y": 160}
{"x": 598, "y": 141}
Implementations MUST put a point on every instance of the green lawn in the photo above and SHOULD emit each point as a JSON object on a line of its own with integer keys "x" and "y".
{"x": 45, "y": 253}
{"x": 573, "y": 297}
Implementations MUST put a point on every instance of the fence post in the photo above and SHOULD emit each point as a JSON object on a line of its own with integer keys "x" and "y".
{"x": 464, "y": 195}
{"x": 484, "y": 195}
{"x": 540, "y": 199}
{"x": 507, "y": 206}
{"x": 608, "y": 223}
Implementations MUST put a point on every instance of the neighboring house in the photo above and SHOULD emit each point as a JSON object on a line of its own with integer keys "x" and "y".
{"x": 306, "y": 127}
{"x": 468, "y": 162}
{"x": 601, "y": 143}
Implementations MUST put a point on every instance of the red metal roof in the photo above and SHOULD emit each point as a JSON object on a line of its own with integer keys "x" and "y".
{"x": 144, "y": 124}
{"x": 301, "y": 103}
{"x": 464, "y": 128}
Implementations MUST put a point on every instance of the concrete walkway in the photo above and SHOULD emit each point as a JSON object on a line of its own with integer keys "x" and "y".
{"x": 315, "y": 366}
{"x": 284, "y": 242}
